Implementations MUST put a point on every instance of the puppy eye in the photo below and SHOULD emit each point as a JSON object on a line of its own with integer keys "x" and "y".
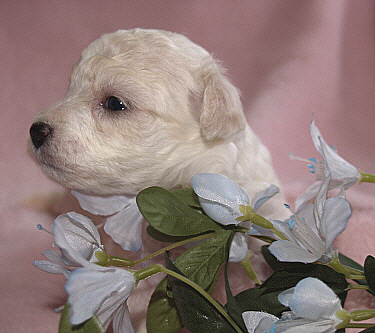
{"x": 114, "y": 104}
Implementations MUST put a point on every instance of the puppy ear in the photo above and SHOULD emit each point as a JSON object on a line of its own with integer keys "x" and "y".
{"x": 221, "y": 110}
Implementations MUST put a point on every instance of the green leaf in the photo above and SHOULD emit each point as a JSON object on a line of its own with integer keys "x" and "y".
{"x": 370, "y": 272}
{"x": 369, "y": 330}
{"x": 257, "y": 299}
{"x": 196, "y": 312}
{"x": 188, "y": 196}
{"x": 169, "y": 215}
{"x": 201, "y": 263}
{"x": 162, "y": 314}
{"x": 349, "y": 262}
{"x": 92, "y": 325}
{"x": 163, "y": 237}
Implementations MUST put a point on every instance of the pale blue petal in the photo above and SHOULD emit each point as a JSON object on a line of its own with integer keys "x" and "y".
{"x": 253, "y": 318}
{"x": 286, "y": 296}
{"x": 313, "y": 299}
{"x": 80, "y": 234}
{"x": 122, "y": 322}
{"x": 262, "y": 196}
{"x": 266, "y": 325}
{"x": 48, "y": 267}
{"x": 102, "y": 205}
{"x": 125, "y": 227}
{"x": 238, "y": 248}
{"x": 218, "y": 188}
{"x": 299, "y": 325}
{"x": 256, "y": 230}
{"x": 88, "y": 289}
{"x": 219, "y": 197}
{"x": 284, "y": 228}
{"x": 70, "y": 255}
{"x": 53, "y": 256}
{"x": 221, "y": 214}
{"x": 320, "y": 200}
{"x": 338, "y": 167}
{"x": 287, "y": 251}
{"x": 335, "y": 217}
{"x": 309, "y": 194}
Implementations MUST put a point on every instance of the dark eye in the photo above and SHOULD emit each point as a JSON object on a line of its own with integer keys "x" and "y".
{"x": 114, "y": 104}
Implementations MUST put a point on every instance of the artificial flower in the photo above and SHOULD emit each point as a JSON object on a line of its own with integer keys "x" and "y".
{"x": 95, "y": 290}
{"x": 259, "y": 322}
{"x": 313, "y": 308}
{"x": 78, "y": 241}
{"x": 311, "y": 231}
{"x": 124, "y": 223}
{"x": 342, "y": 173}
{"x": 221, "y": 199}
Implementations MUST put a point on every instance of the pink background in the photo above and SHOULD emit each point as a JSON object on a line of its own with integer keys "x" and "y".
{"x": 290, "y": 59}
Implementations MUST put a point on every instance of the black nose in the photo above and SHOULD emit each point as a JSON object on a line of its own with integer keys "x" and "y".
{"x": 39, "y": 133}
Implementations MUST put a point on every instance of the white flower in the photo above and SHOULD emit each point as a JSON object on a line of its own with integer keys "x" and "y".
{"x": 125, "y": 223}
{"x": 313, "y": 308}
{"x": 78, "y": 240}
{"x": 221, "y": 198}
{"x": 102, "y": 291}
{"x": 312, "y": 230}
{"x": 259, "y": 322}
{"x": 342, "y": 173}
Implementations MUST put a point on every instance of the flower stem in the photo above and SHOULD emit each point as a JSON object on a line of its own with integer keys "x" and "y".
{"x": 120, "y": 262}
{"x": 339, "y": 267}
{"x": 359, "y": 325}
{"x": 359, "y": 315}
{"x": 357, "y": 286}
{"x": 366, "y": 178}
{"x": 248, "y": 267}
{"x": 264, "y": 223}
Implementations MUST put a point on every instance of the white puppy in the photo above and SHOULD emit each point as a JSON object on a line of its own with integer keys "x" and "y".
{"x": 149, "y": 107}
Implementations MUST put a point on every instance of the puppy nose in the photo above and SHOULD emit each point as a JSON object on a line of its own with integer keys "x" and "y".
{"x": 39, "y": 133}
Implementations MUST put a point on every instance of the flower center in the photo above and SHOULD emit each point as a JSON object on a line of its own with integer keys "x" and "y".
{"x": 315, "y": 166}
{"x": 305, "y": 235}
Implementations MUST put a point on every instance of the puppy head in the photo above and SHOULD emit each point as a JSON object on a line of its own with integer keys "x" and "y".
{"x": 142, "y": 107}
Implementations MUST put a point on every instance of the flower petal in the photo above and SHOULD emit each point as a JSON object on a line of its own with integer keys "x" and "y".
{"x": 256, "y": 230}
{"x": 285, "y": 250}
{"x": 335, "y": 217}
{"x": 49, "y": 267}
{"x": 122, "y": 322}
{"x": 102, "y": 205}
{"x": 320, "y": 200}
{"x": 125, "y": 227}
{"x": 313, "y": 299}
{"x": 219, "y": 197}
{"x": 309, "y": 194}
{"x": 298, "y": 325}
{"x": 238, "y": 248}
{"x": 285, "y": 297}
{"x": 338, "y": 167}
{"x": 53, "y": 256}
{"x": 78, "y": 233}
{"x": 252, "y": 321}
{"x": 261, "y": 197}
{"x": 88, "y": 289}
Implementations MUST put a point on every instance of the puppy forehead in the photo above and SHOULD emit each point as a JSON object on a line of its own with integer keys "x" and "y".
{"x": 147, "y": 43}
